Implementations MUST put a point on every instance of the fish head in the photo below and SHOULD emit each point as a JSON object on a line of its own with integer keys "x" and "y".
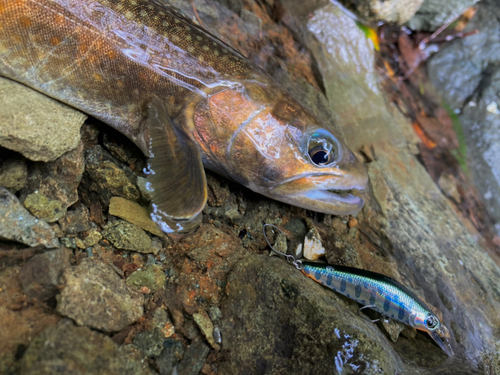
{"x": 275, "y": 147}
{"x": 427, "y": 322}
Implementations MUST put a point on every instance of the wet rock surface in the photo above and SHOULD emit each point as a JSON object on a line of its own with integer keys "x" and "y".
{"x": 34, "y": 125}
{"x": 213, "y": 301}
{"x": 467, "y": 75}
{"x": 67, "y": 349}
{"x": 435, "y": 13}
{"x": 17, "y": 224}
{"x": 392, "y": 11}
{"x": 95, "y": 296}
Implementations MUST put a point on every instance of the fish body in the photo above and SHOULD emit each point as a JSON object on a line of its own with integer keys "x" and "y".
{"x": 380, "y": 293}
{"x": 184, "y": 98}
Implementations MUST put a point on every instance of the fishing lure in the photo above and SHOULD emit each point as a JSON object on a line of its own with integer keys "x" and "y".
{"x": 374, "y": 291}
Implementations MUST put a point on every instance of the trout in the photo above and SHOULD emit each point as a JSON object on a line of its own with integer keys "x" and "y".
{"x": 185, "y": 98}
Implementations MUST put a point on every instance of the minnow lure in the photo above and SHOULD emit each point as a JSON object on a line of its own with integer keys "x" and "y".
{"x": 374, "y": 291}
{"x": 185, "y": 98}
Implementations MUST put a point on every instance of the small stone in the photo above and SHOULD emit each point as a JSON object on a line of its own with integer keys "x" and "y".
{"x": 40, "y": 276}
{"x": 339, "y": 226}
{"x": 214, "y": 313}
{"x": 76, "y": 220}
{"x": 65, "y": 349}
{"x": 352, "y": 222}
{"x": 142, "y": 184}
{"x": 95, "y": 296}
{"x": 206, "y": 327}
{"x": 217, "y": 194}
{"x": 44, "y": 208}
{"x": 17, "y": 224}
{"x": 107, "y": 177}
{"x": 126, "y": 236}
{"x": 80, "y": 244}
{"x": 313, "y": 248}
{"x": 150, "y": 342}
{"x": 40, "y": 128}
{"x": 92, "y": 238}
{"x": 69, "y": 242}
{"x": 409, "y": 332}
{"x": 151, "y": 277}
{"x": 393, "y": 328}
{"x": 193, "y": 359}
{"x": 13, "y": 174}
{"x": 55, "y": 181}
{"x": 160, "y": 318}
{"x": 170, "y": 356}
{"x": 387, "y": 11}
{"x": 133, "y": 213}
{"x": 448, "y": 185}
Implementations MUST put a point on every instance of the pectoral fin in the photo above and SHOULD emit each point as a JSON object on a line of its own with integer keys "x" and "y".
{"x": 177, "y": 179}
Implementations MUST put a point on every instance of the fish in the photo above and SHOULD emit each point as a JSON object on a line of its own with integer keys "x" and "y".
{"x": 185, "y": 98}
{"x": 380, "y": 293}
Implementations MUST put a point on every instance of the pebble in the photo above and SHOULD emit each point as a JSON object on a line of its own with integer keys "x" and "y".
{"x": 13, "y": 174}
{"x": 206, "y": 327}
{"x": 313, "y": 247}
{"x": 65, "y": 349}
{"x": 76, "y": 220}
{"x": 108, "y": 177}
{"x": 38, "y": 127}
{"x": 352, "y": 222}
{"x": 393, "y": 328}
{"x": 126, "y": 236}
{"x": 134, "y": 213}
{"x": 193, "y": 359}
{"x": 40, "y": 276}
{"x": 151, "y": 277}
{"x": 150, "y": 342}
{"x": 170, "y": 356}
{"x": 43, "y": 207}
{"x": 92, "y": 238}
{"x": 17, "y": 224}
{"x": 95, "y": 296}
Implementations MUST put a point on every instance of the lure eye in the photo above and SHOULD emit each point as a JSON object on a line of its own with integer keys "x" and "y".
{"x": 432, "y": 322}
{"x": 322, "y": 148}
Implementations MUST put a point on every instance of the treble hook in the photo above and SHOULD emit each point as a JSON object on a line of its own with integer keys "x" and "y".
{"x": 290, "y": 258}
{"x": 368, "y": 319}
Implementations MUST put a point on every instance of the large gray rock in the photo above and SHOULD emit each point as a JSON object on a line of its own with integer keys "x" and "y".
{"x": 38, "y": 127}
{"x": 17, "y": 224}
{"x": 467, "y": 74}
{"x": 95, "y": 296}
{"x": 435, "y": 13}
{"x": 67, "y": 350}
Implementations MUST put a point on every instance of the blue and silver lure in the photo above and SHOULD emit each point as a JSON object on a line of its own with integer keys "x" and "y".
{"x": 375, "y": 291}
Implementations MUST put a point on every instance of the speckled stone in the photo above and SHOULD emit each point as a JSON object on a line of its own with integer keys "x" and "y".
{"x": 134, "y": 213}
{"x": 153, "y": 277}
{"x": 126, "y": 236}
{"x": 17, "y": 224}
{"x": 40, "y": 128}
{"x": 44, "y": 208}
{"x": 13, "y": 173}
{"x": 95, "y": 296}
{"x": 66, "y": 349}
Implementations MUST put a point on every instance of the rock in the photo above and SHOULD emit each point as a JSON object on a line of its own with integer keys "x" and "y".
{"x": 392, "y": 11}
{"x": 66, "y": 349}
{"x": 40, "y": 128}
{"x": 95, "y": 296}
{"x": 150, "y": 342}
{"x": 52, "y": 187}
{"x": 76, "y": 220}
{"x": 133, "y": 213}
{"x": 92, "y": 238}
{"x": 313, "y": 247}
{"x": 435, "y": 13}
{"x": 127, "y": 236}
{"x": 170, "y": 356}
{"x": 17, "y": 224}
{"x": 44, "y": 208}
{"x": 281, "y": 308}
{"x": 40, "y": 276}
{"x": 393, "y": 328}
{"x": 193, "y": 359}
{"x": 143, "y": 185}
{"x": 206, "y": 326}
{"x": 214, "y": 313}
{"x": 467, "y": 74}
{"x": 13, "y": 173}
{"x": 153, "y": 277}
{"x": 107, "y": 177}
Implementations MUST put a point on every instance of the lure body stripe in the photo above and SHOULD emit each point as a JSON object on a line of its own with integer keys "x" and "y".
{"x": 367, "y": 288}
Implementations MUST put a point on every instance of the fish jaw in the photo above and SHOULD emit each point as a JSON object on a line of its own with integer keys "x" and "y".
{"x": 329, "y": 193}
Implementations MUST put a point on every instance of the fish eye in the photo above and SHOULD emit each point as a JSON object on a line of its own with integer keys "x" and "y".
{"x": 322, "y": 148}
{"x": 432, "y": 322}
